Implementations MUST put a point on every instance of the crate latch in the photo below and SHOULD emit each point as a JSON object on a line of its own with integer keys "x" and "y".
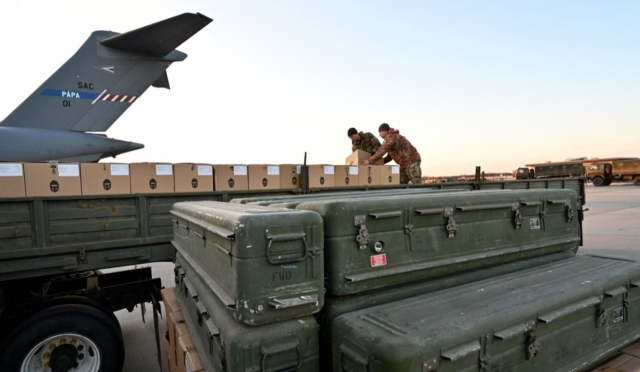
{"x": 570, "y": 213}
{"x": 452, "y": 227}
{"x": 533, "y": 346}
{"x": 601, "y": 316}
{"x": 83, "y": 256}
{"x": 517, "y": 217}
{"x": 363, "y": 238}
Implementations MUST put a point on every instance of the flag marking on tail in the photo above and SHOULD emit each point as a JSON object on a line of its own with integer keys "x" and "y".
{"x": 72, "y": 94}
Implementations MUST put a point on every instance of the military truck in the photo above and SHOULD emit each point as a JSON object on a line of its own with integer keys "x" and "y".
{"x": 56, "y": 306}
{"x": 603, "y": 173}
{"x": 551, "y": 170}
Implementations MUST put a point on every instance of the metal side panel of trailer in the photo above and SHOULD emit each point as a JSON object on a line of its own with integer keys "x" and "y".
{"x": 45, "y": 236}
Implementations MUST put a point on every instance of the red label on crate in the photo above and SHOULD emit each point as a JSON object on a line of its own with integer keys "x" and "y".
{"x": 378, "y": 260}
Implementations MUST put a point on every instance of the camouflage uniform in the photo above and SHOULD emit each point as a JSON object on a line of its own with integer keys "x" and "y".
{"x": 412, "y": 173}
{"x": 402, "y": 152}
{"x": 368, "y": 142}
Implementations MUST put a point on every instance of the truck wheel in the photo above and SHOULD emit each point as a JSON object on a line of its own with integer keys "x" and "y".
{"x": 64, "y": 338}
{"x": 80, "y": 300}
{"x": 598, "y": 181}
{"x": 636, "y": 181}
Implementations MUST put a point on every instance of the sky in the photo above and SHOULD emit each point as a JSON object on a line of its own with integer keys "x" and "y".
{"x": 497, "y": 84}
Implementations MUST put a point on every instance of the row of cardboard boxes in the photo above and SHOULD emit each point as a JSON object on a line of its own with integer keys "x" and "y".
{"x": 65, "y": 179}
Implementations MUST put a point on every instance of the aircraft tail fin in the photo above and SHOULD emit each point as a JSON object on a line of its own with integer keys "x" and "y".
{"x": 160, "y": 38}
{"x": 106, "y": 76}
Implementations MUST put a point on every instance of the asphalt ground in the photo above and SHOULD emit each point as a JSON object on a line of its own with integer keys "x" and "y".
{"x": 611, "y": 228}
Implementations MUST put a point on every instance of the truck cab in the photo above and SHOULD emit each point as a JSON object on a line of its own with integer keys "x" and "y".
{"x": 600, "y": 174}
{"x": 524, "y": 173}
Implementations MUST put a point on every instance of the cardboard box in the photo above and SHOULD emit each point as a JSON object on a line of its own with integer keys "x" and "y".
{"x": 346, "y": 175}
{"x": 169, "y": 299}
{"x": 369, "y": 175}
{"x": 193, "y": 362}
{"x": 52, "y": 179}
{"x": 389, "y": 175}
{"x": 264, "y": 177}
{"x": 12, "y": 180}
{"x": 105, "y": 179}
{"x": 170, "y": 352}
{"x": 359, "y": 156}
{"x": 151, "y": 178}
{"x": 193, "y": 177}
{"x": 321, "y": 176}
{"x": 170, "y": 305}
{"x": 176, "y": 318}
{"x": 185, "y": 345}
{"x": 290, "y": 176}
{"x": 231, "y": 177}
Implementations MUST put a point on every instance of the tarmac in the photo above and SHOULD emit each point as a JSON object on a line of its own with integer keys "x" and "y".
{"x": 610, "y": 228}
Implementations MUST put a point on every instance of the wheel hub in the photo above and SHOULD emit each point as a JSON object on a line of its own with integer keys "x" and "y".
{"x": 63, "y": 358}
{"x": 63, "y": 353}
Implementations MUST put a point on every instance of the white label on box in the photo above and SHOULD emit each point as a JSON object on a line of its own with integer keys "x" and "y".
{"x": 11, "y": 170}
{"x": 68, "y": 170}
{"x": 273, "y": 170}
{"x": 239, "y": 170}
{"x": 298, "y": 169}
{"x": 205, "y": 170}
{"x": 353, "y": 171}
{"x": 395, "y": 169}
{"x": 119, "y": 169}
{"x": 329, "y": 169}
{"x": 164, "y": 169}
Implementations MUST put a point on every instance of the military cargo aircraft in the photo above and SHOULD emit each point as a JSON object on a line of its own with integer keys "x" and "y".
{"x": 66, "y": 117}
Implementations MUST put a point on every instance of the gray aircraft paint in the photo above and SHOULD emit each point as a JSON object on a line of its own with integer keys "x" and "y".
{"x": 92, "y": 90}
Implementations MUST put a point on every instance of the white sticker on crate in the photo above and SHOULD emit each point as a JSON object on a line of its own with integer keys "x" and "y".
{"x": 273, "y": 170}
{"x": 353, "y": 171}
{"x": 119, "y": 169}
{"x": 298, "y": 169}
{"x": 239, "y": 170}
{"x": 68, "y": 170}
{"x": 164, "y": 169}
{"x": 395, "y": 170}
{"x": 329, "y": 169}
{"x": 11, "y": 170}
{"x": 205, "y": 170}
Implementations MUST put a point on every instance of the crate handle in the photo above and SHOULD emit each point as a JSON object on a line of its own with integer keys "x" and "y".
{"x": 381, "y": 215}
{"x": 286, "y": 238}
{"x": 277, "y": 349}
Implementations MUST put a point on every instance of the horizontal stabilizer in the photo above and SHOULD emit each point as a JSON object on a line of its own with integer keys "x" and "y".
{"x": 160, "y": 38}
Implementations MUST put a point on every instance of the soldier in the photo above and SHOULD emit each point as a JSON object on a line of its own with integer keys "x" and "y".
{"x": 401, "y": 151}
{"x": 363, "y": 141}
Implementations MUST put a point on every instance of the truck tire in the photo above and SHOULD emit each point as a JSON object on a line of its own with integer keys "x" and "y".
{"x": 70, "y": 337}
{"x": 80, "y": 300}
{"x": 598, "y": 181}
{"x": 636, "y": 181}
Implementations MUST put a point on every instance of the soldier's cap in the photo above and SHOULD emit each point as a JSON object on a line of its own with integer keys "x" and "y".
{"x": 383, "y": 127}
{"x": 351, "y": 132}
